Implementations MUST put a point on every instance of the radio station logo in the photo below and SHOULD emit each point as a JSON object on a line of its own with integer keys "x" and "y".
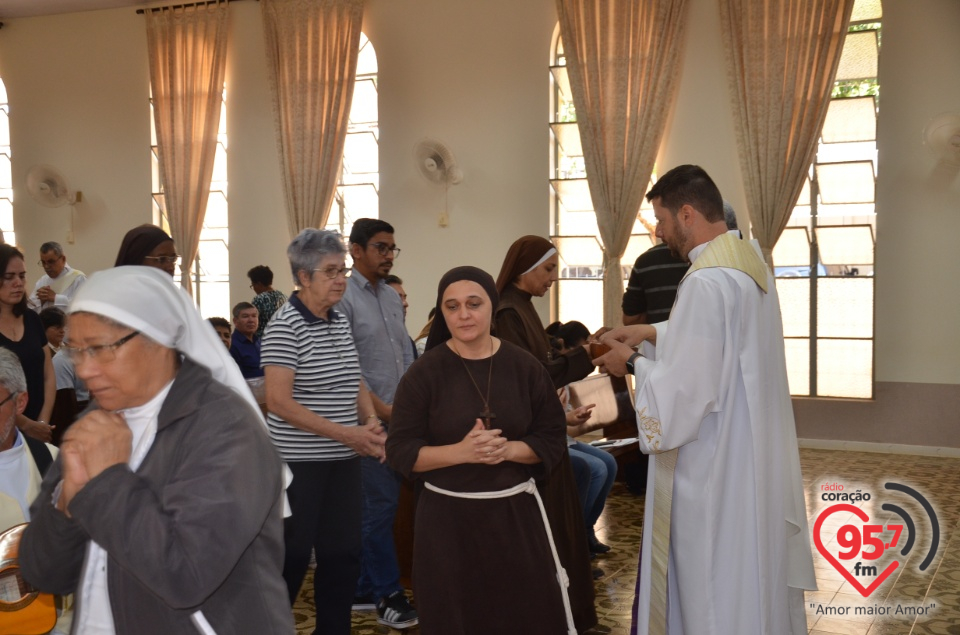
{"x": 861, "y": 545}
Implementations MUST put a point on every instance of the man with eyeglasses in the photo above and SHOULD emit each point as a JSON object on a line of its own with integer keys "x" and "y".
{"x": 59, "y": 283}
{"x": 23, "y": 460}
{"x": 375, "y": 312}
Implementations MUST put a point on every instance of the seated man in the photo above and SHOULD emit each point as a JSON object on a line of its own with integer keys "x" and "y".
{"x": 23, "y": 461}
{"x": 245, "y": 343}
{"x": 60, "y": 281}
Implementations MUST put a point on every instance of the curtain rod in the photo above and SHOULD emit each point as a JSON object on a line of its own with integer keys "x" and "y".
{"x": 200, "y": 3}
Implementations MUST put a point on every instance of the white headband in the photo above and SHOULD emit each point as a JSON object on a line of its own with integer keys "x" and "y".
{"x": 542, "y": 260}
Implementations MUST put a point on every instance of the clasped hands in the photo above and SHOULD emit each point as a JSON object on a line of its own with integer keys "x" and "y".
{"x": 484, "y": 446}
{"x": 94, "y": 443}
{"x": 622, "y": 342}
{"x": 367, "y": 440}
{"x": 46, "y": 294}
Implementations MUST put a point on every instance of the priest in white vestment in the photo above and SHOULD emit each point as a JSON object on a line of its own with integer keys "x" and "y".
{"x": 60, "y": 281}
{"x": 712, "y": 396}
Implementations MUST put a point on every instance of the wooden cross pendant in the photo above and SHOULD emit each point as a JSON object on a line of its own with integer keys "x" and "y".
{"x": 486, "y": 414}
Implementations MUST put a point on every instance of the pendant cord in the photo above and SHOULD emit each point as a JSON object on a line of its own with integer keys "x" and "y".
{"x": 486, "y": 400}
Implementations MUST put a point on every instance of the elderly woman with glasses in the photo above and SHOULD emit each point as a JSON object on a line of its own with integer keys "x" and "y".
{"x": 322, "y": 421}
{"x": 164, "y": 509}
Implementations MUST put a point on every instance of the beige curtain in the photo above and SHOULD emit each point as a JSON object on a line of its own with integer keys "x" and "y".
{"x": 623, "y": 59}
{"x": 782, "y": 56}
{"x": 187, "y": 51}
{"x": 312, "y": 48}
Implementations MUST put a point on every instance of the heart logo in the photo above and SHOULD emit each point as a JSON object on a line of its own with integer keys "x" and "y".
{"x": 862, "y": 515}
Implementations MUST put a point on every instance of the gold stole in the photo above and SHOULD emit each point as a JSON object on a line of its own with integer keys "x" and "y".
{"x": 65, "y": 280}
{"x": 726, "y": 250}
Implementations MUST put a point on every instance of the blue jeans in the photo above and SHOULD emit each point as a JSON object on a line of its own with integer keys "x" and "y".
{"x": 379, "y": 571}
{"x": 602, "y": 469}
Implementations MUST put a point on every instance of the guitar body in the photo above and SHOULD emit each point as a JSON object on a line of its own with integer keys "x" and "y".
{"x": 23, "y": 609}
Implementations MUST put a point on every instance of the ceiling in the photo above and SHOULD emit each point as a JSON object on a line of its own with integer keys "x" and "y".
{"x": 10, "y": 9}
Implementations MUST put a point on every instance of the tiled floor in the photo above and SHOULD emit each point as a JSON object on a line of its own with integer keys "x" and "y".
{"x": 936, "y": 479}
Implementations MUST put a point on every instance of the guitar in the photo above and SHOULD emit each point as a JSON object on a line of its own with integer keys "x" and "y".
{"x": 23, "y": 609}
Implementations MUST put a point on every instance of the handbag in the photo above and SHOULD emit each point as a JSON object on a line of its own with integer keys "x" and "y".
{"x": 23, "y": 609}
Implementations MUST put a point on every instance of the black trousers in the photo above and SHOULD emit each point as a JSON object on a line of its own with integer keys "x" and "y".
{"x": 326, "y": 505}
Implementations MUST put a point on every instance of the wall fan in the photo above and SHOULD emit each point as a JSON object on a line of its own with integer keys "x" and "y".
{"x": 49, "y": 188}
{"x": 437, "y": 164}
{"x": 941, "y": 135}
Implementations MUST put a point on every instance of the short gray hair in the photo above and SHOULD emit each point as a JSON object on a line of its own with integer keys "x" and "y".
{"x": 310, "y": 247}
{"x": 729, "y": 215}
{"x": 51, "y": 246}
{"x": 11, "y": 372}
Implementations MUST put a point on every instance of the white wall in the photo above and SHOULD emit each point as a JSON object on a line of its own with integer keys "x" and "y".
{"x": 77, "y": 86}
{"x": 918, "y": 202}
{"x": 473, "y": 75}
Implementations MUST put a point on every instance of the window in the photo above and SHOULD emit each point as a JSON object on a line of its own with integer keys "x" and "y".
{"x": 824, "y": 261}
{"x": 6, "y": 177}
{"x": 578, "y": 295}
{"x": 211, "y": 268}
{"x": 358, "y": 190}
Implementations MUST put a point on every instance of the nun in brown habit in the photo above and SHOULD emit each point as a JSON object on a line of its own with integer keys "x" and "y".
{"x": 482, "y": 559}
{"x": 530, "y": 267}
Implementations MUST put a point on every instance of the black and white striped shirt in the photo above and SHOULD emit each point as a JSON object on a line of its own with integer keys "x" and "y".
{"x": 326, "y": 377}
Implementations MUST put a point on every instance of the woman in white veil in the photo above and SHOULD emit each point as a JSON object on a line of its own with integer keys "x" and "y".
{"x": 164, "y": 510}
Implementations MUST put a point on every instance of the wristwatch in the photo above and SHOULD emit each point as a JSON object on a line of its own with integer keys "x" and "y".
{"x": 631, "y": 360}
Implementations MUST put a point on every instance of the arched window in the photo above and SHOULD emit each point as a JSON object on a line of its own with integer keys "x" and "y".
{"x": 358, "y": 193}
{"x": 578, "y": 295}
{"x": 825, "y": 257}
{"x": 6, "y": 177}
{"x": 211, "y": 268}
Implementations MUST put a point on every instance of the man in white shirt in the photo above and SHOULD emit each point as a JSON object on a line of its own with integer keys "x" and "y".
{"x": 724, "y": 510}
{"x": 22, "y": 462}
{"x": 60, "y": 282}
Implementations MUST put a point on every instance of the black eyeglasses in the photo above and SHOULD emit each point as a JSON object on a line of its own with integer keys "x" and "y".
{"x": 9, "y": 397}
{"x": 100, "y": 352}
{"x": 384, "y": 248}
{"x": 164, "y": 260}
{"x": 333, "y": 272}
{"x": 48, "y": 263}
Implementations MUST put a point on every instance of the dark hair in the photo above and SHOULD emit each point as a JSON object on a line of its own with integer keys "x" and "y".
{"x": 219, "y": 322}
{"x": 366, "y": 228}
{"x": 8, "y": 252}
{"x": 51, "y": 246}
{"x": 553, "y": 327}
{"x": 689, "y": 185}
{"x": 138, "y": 243}
{"x": 573, "y": 334}
{"x": 241, "y": 306}
{"x": 392, "y": 279}
{"x": 52, "y": 316}
{"x": 261, "y": 274}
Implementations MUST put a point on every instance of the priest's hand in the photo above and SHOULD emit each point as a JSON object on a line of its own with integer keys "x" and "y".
{"x": 102, "y": 439}
{"x": 615, "y": 361}
{"x": 483, "y": 446}
{"x": 46, "y": 294}
{"x": 632, "y": 335}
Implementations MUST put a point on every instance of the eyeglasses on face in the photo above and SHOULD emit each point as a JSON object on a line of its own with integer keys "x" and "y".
{"x": 48, "y": 262}
{"x": 102, "y": 353}
{"x": 164, "y": 260}
{"x": 332, "y": 272}
{"x": 384, "y": 248}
